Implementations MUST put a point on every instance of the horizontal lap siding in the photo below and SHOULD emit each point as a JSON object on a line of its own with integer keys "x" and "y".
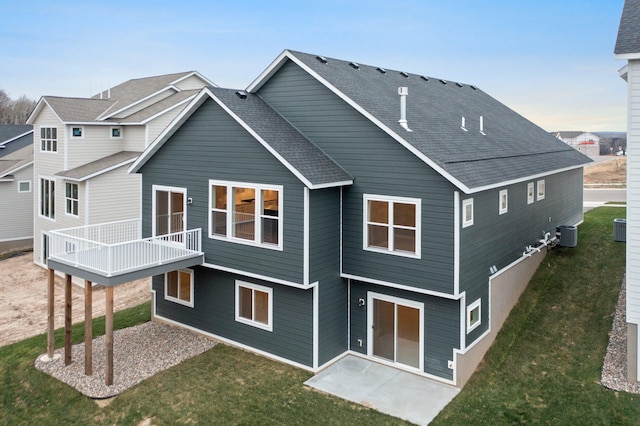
{"x": 633, "y": 194}
{"x": 381, "y": 166}
{"x": 324, "y": 259}
{"x": 211, "y": 145}
{"x": 441, "y": 325}
{"x": 499, "y": 240}
{"x": 17, "y": 215}
{"x": 214, "y": 312}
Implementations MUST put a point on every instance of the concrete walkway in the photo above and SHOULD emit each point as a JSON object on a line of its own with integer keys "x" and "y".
{"x": 395, "y": 392}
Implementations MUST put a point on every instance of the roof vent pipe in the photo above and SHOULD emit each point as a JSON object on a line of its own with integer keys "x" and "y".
{"x": 463, "y": 124}
{"x": 482, "y": 125}
{"x": 403, "y": 92}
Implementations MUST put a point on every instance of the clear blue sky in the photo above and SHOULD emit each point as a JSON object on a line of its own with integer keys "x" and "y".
{"x": 550, "y": 60}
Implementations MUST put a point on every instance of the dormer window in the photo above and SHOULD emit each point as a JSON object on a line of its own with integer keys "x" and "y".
{"x": 116, "y": 132}
{"x": 77, "y": 132}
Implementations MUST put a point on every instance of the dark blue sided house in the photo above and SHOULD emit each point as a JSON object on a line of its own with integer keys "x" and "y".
{"x": 348, "y": 208}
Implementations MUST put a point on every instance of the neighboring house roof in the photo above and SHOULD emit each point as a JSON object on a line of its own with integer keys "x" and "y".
{"x": 509, "y": 149}
{"x": 304, "y": 159}
{"x": 568, "y": 135}
{"x": 628, "y": 41}
{"x": 9, "y": 133}
{"x": 16, "y": 161}
{"x": 101, "y": 109}
{"x": 98, "y": 167}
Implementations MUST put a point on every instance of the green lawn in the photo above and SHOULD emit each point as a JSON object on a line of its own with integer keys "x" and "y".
{"x": 544, "y": 367}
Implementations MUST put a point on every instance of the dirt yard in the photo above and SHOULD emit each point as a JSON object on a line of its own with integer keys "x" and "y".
{"x": 23, "y": 299}
{"x": 612, "y": 171}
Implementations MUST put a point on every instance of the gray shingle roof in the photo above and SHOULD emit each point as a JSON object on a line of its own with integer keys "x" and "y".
{"x": 11, "y": 162}
{"x": 100, "y": 166}
{"x": 511, "y": 148}
{"x": 283, "y": 138}
{"x": 78, "y": 110}
{"x": 628, "y": 40}
{"x": 157, "y": 107}
{"x": 8, "y": 132}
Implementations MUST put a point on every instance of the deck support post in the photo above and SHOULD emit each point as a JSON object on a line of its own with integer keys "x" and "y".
{"x": 109, "y": 335}
{"x": 50, "y": 318}
{"x": 88, "y": 328}
{"x": 67, "y": 319}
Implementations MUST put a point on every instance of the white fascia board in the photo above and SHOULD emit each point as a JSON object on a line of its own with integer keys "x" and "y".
{"x": 628, "y": 56}
{"x": 38, "y": 108}
{"x": 2, "y": 145}
{"x": 200, "y": 76}
{"x": 166, "y": 110}
{"x": 98, "y": 173}
{"x": 266, "y": 74}
{"x": 17, "y": 169}
{"x": 103, "y": 117}
{"x": 402, "y": 287}
{"x": 170, "y": 130}
{"x": 260, "y": 276}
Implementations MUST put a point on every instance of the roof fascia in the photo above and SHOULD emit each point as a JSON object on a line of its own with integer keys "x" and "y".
{"x": 99, "y": 172}
{"x": 628, "y": 56}
{"x": 164, "y": 89}
{"x": 166, "y": 110}
{"x": 16, "y": 169}
{"x": 170, "y": 130}
{"x": 275, "y": 66}
{"x": 38, "y": 108}
{"x": 2, "y": 144}
{"x": 197, "y": 74}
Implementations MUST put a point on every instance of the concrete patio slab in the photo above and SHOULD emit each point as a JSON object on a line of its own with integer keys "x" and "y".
{"x": 395, "y": 392}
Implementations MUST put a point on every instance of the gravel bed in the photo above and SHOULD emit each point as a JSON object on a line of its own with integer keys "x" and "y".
{"x": 614, "y": 368}
{"x": 138, "y": 353}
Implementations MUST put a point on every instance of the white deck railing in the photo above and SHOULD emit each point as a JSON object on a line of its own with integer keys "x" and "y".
{"x": 117, "y": 247}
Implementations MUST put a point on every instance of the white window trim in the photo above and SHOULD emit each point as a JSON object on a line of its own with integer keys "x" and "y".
{"x": 176, "y": 299}
{"x": 40, "y": 179}
{"x": 111, "y": 132}
{"x": 531, "y": 195}
{"x": 475, "y": 305}
{"x": 504, "y": 194}
{"x": 66, "y": 199}
{"x": 258, "y": 223}
{"x": 154, "y": 206}
{"x": 21, "y": 182}
{"x": 253, "y": 287}
{"x": 48, "y": 151}
{"x": 540, "y": 193}
{"x": 81, "y": 132}
{"x": 467, "y": 221}
{"x": 391, "y": 199}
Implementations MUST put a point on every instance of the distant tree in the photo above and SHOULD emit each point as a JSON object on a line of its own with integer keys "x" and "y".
{"x": 15, "y": 111}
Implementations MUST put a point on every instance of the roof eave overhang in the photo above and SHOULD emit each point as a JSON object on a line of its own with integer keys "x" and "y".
{"x": 628, "y": 56}
{"x": 96, "y": 173}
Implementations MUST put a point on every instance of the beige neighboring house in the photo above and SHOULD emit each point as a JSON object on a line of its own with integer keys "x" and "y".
{"x": 16, "y": 185}
{"x": 83, "y": 147}
{"x": 628, "y": 48}
{"x": 586, "y": 142}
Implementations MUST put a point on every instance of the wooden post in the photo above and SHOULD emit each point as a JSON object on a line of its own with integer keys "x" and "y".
{"x": 67, "y": 319}
{"x": 50, "y": 318}
{"x": 88, "y": 329}
{"x": 109, "y": 335}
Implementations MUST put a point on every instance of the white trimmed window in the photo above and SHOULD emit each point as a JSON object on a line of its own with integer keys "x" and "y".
{"x": 178, "y": 286}
{"x": 49, "y": 139}
{"x": 504, "y": 201}
{"x": 48, "y": 198}
{"x": 254, "y": 305}
{"x": 77, "y": 132}
{"x": 24, "y": 186}
{"x": 541, "y": 190}
{"x": 71, "y": 198}
{"x": 467, "y": 212}
{"x": 246, "y": 213}
{"x": 392, "y": 225}
{"x": 115, "y": 132}
{"x": 474, "y": 317}
{"x": 530, "y": 193}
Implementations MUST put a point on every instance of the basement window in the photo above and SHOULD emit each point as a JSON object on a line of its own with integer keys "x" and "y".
{"x": 178, "y": 287}
{"x": 474, "y": 318}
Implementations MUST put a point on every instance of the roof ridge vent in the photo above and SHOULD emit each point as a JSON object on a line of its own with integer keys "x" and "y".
{"x": 381, "y": 70}
{"x": 321, "y": 59}
{"x": 354, "y": 65}
{"x": 404, "y": 74}
{"x": 241, "y": 94}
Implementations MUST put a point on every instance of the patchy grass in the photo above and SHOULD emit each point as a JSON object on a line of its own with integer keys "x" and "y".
{"x": 612, "y": 172}
{"x": 545, "y": 365}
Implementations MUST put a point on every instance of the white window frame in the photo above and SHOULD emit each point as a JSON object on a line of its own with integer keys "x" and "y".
{"x": 81, "y": 132}
{"x": 417, "y": 202}
{"x": 52, "y": 199}
{"x": 177, "y": 299}
{"x": 472, "y": 307}
{"x": 49, "y": 144}
{"x": 467, "y": 221}
{"x": 28, "y": 182}
{"x": 112, "y": 128}
{"x": 531, "y": 194}
{"x": 254, "y": 288}
{"x": 230, "y": 185}
{"x": 503, "y": 201}
{"x": 74, "y": 201}
{"x": 541, "y": 190}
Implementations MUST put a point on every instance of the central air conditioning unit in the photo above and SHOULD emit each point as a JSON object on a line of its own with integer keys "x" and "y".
{"x": 567, "y": 235}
